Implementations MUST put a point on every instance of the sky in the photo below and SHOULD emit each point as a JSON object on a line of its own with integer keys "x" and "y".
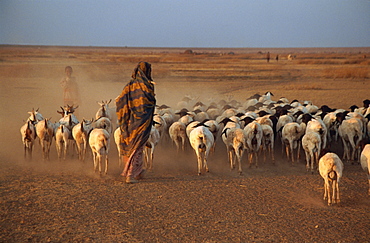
{"x": 186, "y": 23}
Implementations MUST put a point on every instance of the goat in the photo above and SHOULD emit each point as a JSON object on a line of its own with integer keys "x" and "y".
{"x": 311, "y": 144}
{"x": 253, "y": 137}
{"x": 45, "y": 133}
{"x": 35, "y": 116}
{"x": 104, "y": 111}
{"x": 28, "y": 134}
{"x": 234, "y": 140}
{"x": 117, "y": 140}
{"x": 153, "y": 140}
{"x": 331, "y": 170}
{"x": 365, "y": 162}
{"x": 201, "y": 140}
{"x": 99, "y": 144}
{"x": 80, "y": 134}
{"x": 68, "y": 110}
{"x": 62, "y": 135}
{"x": 103, "y": 123}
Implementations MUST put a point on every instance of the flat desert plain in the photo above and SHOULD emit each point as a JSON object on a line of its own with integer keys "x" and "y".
{"x": 65, "y": 201}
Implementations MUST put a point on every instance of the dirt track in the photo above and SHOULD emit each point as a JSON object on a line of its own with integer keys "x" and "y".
{"x": 65, "y": 201}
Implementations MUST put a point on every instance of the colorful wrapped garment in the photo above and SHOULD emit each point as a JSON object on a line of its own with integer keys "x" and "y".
{"x": 135, "y": 109}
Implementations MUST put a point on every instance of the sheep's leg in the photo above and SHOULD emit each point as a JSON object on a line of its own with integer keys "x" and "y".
{"x": 337, "y": 196}
{"x": 272, "y": 154}
{"x": 250, "y": 159}
{"x": 308, "y": 159}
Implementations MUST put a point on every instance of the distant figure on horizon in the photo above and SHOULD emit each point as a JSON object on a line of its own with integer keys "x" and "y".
{"x": 277, "y": 58}
{"x": 268, "y": 56}
{"x": 69, "y": 84}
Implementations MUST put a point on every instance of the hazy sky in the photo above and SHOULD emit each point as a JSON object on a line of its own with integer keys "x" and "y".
{"x": 188, "y": 23}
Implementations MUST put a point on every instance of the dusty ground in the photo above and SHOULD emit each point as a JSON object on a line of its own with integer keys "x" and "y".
{"x": 52, "y": 201}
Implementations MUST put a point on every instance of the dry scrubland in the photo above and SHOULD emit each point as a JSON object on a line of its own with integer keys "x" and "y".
{"x": 52, "y": 201}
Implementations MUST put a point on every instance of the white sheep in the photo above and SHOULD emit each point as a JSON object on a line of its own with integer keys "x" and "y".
{"x": 178, "y": 135}
{"x": 234, "y": 140}
{"x": 350, "y": 131}
{"x": 80, "y": 134}
{"x": 291, "y": 137}
{"x": 318, "y": 126}
{"x": 311, "y": 144}
{"x": 201, "y": 140}
{"x": 28, "y": 134}
{"x": 45, "y": 133}
{"x": 99, "y": 144}
{"x": 331, "y": 170}
{"x": 253, "y": 137}
{"x": 150, "y": 145}
{"x": 365, "y": 162}
{"x": 268, "y": 139}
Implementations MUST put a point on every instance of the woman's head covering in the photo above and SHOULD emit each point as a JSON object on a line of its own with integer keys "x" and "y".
{"x": 143, "y": 68}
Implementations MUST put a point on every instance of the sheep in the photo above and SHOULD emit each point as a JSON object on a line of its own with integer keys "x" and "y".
{"x": 80, "y": 134}
{"x": 185, "y": 116}
{"x": 201, "y": 140}
{"x": 45, "y": 133}
{"x": 331, "y": 170}
{"x": 178, "y": 135}
{"x": 268, "y": 142}
{"x": 350, "y": 131}
{"x": 213, "y": 112}
{"x": 365, "y": 162}
{"x": 104, "y": 110}
{"x": 291, "y": 138}
{"x": 62, "y": 135}
{"x": 234, "y": 140}
{"x": 311, "y": 144}
{"x": 190, "y": 127}
{"x": 200, "y": 115}
{"x": 28, "y": 134}
{"x": 214, "y": 128}
{"x": 150, "y": 145}
{"x": 99, "y": 144}
{"x": 318, "y": 126}
{"x": 282, "y": 121}
{"x": 253, "y": 137}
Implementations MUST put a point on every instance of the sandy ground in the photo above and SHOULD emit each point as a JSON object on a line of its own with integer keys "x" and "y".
{"x": 65, "y": 201}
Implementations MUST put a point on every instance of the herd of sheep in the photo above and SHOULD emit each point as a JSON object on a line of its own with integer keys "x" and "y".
{"x": 252, "y": 128}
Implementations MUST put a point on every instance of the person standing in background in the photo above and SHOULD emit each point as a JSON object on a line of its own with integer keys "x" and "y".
{"x": 69, "y": 84}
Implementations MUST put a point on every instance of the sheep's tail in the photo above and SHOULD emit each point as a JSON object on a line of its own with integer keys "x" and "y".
{"x": 332, "y": 175}
{"x": 202, "y": 144}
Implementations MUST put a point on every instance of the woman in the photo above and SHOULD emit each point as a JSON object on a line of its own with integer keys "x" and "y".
{"x": 135, "y": 109}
